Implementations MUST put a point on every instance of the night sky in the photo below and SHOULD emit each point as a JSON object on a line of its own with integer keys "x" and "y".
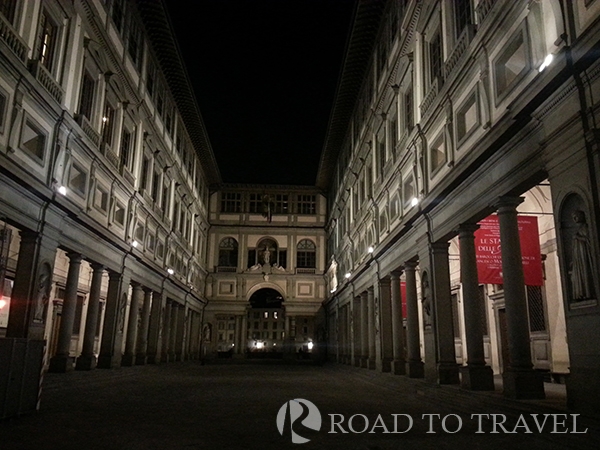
{"x": 264, "y": 73}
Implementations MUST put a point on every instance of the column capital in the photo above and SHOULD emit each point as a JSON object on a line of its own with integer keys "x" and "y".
{"x": 440, "y": 247}
{"x": 395, "y": 274}
{"x": 136, "y": 285}
{"x": 467, "y": 229}
{"x": 508, "y": 203}
{"x": 385, "y": 281}
{"x": 147, "y": 290}
{"x": 74, "y": 257}
{"x": 410, "y": 265}
{"x": 97, "y": 267}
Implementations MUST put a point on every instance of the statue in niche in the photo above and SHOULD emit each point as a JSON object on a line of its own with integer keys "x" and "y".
{"x": 582, "y": 277}
{"x": 266, "y": 255}
{"x": 334, "y": 269}
{"x": 207, "y": 333}
{"x": 42, "y": 294}
{"x": 426, "y": 301}
{"x": 122, "y": 310}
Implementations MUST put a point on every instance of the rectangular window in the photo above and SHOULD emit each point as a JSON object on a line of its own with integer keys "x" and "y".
{"x": 281, "y": 204}
{"x": 119, "y": 213}
{"x": 462, "y": 15}
{"x": 33, "y": 140}
{"x": 255, "y": 203}
{"x": 231, "y": 202}
{"x": 467, "y": 117}
{"x": 393, "y": 127}
{"x": 101, "y": 199}
{"x": 155, "y": 186}
{"x": 2, "y": 110}
{"x": 307, "y": 204}
{"x": 86, "y": 100}
{"x": 48, "y": 36}
{"x": 144, "y": 175}
{"x": 134, "y": 46}
{"x": 455, "y": 321}
{"x": 535, "y": 304}
{"x": 125, "y": 155}
{"x": 108, "y": 124}
{"x": 8, "y": 9}
{"x": 409, "y": 109}
{"x": 282, "y": 258}
{"x": 150, "y": 77}
{"x": 511, "y": 65}
{"x": 77, "y": 179}
{"x": 408, "y": 190}
{"x": 435, "y": 58}
{"x": 118, "y": 14}
{"x": 164, "y": 199}
{"x": 437, "y": 154}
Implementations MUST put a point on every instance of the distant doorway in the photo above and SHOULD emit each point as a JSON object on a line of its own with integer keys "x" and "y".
{"x": 266, "y": 325}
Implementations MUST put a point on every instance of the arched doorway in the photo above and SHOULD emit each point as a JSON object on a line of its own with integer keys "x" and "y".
{"x": 266, "y": 324}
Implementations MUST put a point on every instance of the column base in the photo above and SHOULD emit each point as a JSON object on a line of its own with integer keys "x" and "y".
{"x": 398, "y": 367}
{"x": 415, "y": 369}
{"x": 128, "y": 360}
{"x": 140, "y": 359}
{"x": 85, "y": 362}
{"x": 448, "y": 373}
{"x": 386, "y": 365}
{"x": 477, "y": 378}
{"x": 153, "y": 359}
{"x": 523, "y": 384}
{"x": 357, "y": 361}
{"x": 371, "y": 364}
{"x": 109, "y": 362}
{"x": 364, "y": 362}
{"x": 60, "y": 364}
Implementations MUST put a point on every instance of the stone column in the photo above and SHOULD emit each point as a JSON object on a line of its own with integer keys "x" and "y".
{"x": 371, "y": 327}
{"x": 166, "y": 334}
{"x": 476, "y": 375}
{"x": 357, "y": 332}
{"x": 447, "y": 368}
{"x": 351, "y": 326}
{"x": 364, "y": 329}
{"x": 31, "y": 289}
{"x": 114, "y": 320}
{"x": 238, "y": 335}
{"x": 61, "y": 362}
{"x": 520, "y": 380}
{"x": 244, "y": 337}
{"x": 398, "y": 362}
{"x": 385, "y": 326}
{"x": 132, "y": 325}
{"x": 155, "y": 328}
{"x": 173, "y": 335}
{"x": 87, "y": 360}
{"x": 180, "y": 335}
{"x": 414, "y": 364}
{"x": 142, "y": 338}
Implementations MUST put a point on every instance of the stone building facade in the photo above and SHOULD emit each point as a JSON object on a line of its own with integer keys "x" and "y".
{"x": 448, "y": 113}
{"x": 121, "y": 244}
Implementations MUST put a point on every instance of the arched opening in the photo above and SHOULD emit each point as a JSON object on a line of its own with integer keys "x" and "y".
{"x": 266, "y": 324}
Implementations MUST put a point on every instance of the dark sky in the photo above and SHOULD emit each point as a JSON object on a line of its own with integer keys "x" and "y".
{"x": 264, "y": 73}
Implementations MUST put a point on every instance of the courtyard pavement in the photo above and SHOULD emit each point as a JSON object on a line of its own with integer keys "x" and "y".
{"x": 187, "y": 405}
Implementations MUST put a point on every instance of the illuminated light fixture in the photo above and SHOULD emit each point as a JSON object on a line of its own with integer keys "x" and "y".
{"x": 347, "y": 275}
{"x": 2, "y": 303}
{"x": 62, "y": 190}
{"x": 105, "y": 119}
{"x": 135, "y": 243}
{"x": 414, "y": 201}
{"x": 170, "y": 271}
{"x": 310, "y": 345}
{"x": 233, "y": 345}
{"x": 370, "y": 249}
{"x": 259, "y": 344}
{"x": 547, "y": 61}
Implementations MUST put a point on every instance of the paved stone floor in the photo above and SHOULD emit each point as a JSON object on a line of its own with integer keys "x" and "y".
{"x": 234, "y": 406}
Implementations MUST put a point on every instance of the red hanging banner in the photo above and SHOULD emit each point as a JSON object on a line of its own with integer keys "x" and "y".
{"x": 489, "y": 254}
{"x": 403, "y": 296}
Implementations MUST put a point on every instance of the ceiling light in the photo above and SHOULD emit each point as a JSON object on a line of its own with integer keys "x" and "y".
{"x": 135, "y": 243}
{"x": 62, "y": 190}
{"x": 370, "y": 249}
{"x": 414, "y": 201}
{"x": 170, "y": 271}
{"x": 347, "y": 275}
